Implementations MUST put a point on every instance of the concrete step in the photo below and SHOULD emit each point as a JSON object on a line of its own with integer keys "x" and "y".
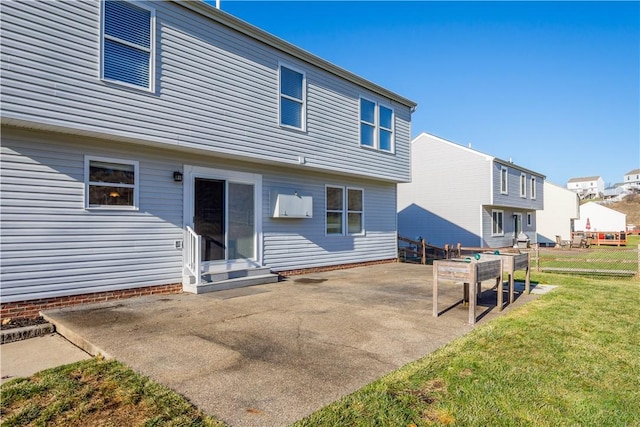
{"x": 237, "y": 282}
{"x": 235, "y": 274}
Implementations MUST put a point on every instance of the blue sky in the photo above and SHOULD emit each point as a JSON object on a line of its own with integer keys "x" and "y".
{"x": 555, "y": 86}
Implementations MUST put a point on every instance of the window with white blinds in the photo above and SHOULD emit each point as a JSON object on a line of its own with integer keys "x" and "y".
{"x": 128, "y": 44}
{"x": 292, "y": 98}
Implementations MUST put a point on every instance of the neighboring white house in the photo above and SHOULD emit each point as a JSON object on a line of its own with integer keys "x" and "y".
{"x": 460, "y": 195}
{"x": 600, "y": 218}
{"x": 632, "y": 180}
{"x": 561, "y": 209}
{"x": 154, "y": 143}
{"x": 588, "y": 187}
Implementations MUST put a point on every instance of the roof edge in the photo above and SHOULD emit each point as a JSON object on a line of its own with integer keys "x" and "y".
{"x": 269, "y": 39}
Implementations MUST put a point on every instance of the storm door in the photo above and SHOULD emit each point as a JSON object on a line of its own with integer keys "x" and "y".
{"x": 209, "y": 217}
{"x": 225, "y": 212}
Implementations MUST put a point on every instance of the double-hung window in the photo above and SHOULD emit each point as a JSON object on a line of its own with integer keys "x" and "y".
{"x": 292, "y": 98}
{"x": 532, "y": 190}
{"x": 523, "y": 185}
{"x": 128, "y": 44}
{"x": 504, "y": 180}
{"x": 344, "y": 211}
{"x": 110, "y": 183}
{"x": 376, "y": 126}
{"x": 497, "y": 223}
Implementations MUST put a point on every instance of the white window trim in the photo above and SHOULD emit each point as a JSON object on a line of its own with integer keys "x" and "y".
{"x": 151, "y": 50}
{"x": 345, "y": 211}
{"x": 529, "y": 219}
{"x": 135, "y": 186}
{"x": 532, "y": 188}
{"x": 504, "y": 170}
{"x": 523, "y": 185}
{"x": 303, "y": 119}
{"x": 376, "y": 126}
{"x": 493, "y": 233}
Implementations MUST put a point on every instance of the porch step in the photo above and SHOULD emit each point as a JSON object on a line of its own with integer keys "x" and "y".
{"x": 235, "y": 274}
{"x": 236, "y": 282}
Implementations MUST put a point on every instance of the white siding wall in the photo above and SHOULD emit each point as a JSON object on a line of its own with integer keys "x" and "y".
{"x": 52, "y": 245}
{"x": 601, "y": 218}
{"x": 561, "y": 206}
{"x": 215, "y": 90}
{"x": 443, "y": 202}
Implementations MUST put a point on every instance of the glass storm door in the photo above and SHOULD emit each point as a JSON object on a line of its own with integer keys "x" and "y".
{"x": 224, "y": 215}
{"x": 209, "y": 217}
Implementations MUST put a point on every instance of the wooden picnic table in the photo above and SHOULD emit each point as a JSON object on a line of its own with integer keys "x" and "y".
{"x": 471, "y": 272}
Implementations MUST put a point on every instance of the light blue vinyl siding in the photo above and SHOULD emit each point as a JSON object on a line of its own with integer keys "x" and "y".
{"x": 52, "y": 246}
{"x": 513, "y": 198}
{"x": 216, "y": 90}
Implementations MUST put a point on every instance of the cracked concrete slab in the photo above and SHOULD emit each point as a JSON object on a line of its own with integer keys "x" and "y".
{"x": 271, "y": 354}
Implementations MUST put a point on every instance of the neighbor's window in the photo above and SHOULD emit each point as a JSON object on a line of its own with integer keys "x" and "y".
{"x": 345, "y": 210}
{"x": 376, "y": 126}
{"x": 529, "y": 219}
{"x": 532, "y": 190}
{"x": 504, "y": 183}
{"x": 523, "y": 185}
{"x": 111, "y": 183}
{"x": 497, "y": 227}
{"x": 128, "y": 44}
{"x": 292, "y": 98}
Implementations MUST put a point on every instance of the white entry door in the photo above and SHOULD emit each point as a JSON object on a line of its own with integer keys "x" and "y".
{"x": 224, "y": 208}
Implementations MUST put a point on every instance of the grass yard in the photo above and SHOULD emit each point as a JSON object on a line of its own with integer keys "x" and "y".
{"x": 95, "y": 392}
{"x": 602, "y": 259}
{"x": 569, "y": 358}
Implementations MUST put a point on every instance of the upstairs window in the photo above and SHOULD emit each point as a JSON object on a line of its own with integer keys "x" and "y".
{"x": 111, "y": 183}
{"x": 127, "y": 44}
{"x": 376, "y": 126}
{"x": 504, "y": 181}
{"x": 292, "y": 98}
{"x": 523, "y": 185}
{"x": 532, "y": 190}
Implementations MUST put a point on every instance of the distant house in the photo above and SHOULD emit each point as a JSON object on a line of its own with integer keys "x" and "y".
{"x": 600, "y": 218}
{"x": 561, "y": 209}
{"x": 460, "y": 195}
{"x": 167, "y": 145}
{"x": 588, "y": 187}
{"x": 632, "y": 180}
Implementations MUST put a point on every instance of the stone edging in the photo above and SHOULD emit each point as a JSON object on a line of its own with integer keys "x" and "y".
{"x": 26, "y": 332}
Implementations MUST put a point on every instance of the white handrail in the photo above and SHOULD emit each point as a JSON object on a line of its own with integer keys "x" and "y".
{"x": 192, "y": 255}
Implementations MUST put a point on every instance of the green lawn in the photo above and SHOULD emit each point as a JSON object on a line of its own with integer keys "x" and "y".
{"x": 569, "y": 358}
{"x": 603, "y": 258}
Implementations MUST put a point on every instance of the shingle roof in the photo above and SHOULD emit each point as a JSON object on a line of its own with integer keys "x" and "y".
{"x": 633, "y": 172}
{"x": 584, "y": 178}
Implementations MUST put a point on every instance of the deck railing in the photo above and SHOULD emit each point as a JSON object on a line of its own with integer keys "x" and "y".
{"x": 192, "y": 254}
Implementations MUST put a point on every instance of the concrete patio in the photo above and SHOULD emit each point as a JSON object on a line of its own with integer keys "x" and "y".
{"x": 269, "y": 355}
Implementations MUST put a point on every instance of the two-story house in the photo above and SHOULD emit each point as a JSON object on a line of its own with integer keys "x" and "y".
{"x": 631, "y": 180}
{"x": 169, "y": 145}
{"x": 587, "y": 187}
{"x": 460, "y": 195}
